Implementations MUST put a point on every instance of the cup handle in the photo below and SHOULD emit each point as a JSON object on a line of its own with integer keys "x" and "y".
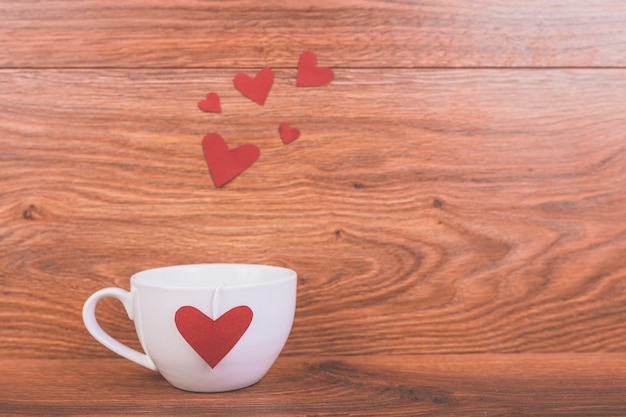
{"x": 89, "y": 318}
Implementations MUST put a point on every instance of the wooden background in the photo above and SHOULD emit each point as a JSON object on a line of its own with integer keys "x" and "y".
{"x": 459, "y": 188}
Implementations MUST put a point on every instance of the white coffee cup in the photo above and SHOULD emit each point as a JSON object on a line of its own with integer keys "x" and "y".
{"x": 204, "y": 327}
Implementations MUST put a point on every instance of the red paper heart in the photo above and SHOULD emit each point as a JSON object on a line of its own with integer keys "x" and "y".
{"x": 211, "y": 103}
{"x": 212, "y": 339}
{"x": 257, "y": 88}
{"x": 225, "y": 164}
{"x": 288, "y": 134}
{"x": 309, "y": 74}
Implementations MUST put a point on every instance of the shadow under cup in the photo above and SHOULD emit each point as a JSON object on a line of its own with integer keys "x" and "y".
{"x": 211, "y": 327}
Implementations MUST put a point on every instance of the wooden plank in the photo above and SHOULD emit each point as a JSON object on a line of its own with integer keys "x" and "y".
{"x": 470, "y": 385}
{"x": 349, "y": 34}
{"x": 426, "y": 211}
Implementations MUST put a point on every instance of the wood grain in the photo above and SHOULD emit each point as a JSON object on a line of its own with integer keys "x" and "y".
{"x": 353, "y": 34}
{"x": 452, "y": 211}
{"x": 455, "y": 206}
{"x": 454, "y": 385}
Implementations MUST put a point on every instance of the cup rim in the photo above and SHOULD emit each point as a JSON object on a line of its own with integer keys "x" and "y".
{"x": 146, "y": 278}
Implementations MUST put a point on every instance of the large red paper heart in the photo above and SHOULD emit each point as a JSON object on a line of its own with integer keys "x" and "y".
{"x": 212, "y": 339}
{"x": 257, "y": 88}
{"x": 211, "y": 103}
{"x": 309, "y": 74}
{"x": 225, "y": 164}
{"x": 287, "y": 133}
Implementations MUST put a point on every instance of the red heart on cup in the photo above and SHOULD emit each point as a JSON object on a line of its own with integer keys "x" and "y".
{"x": 309, "y": 74}
{"x": 211, "y": 103}
{"x": 212, "y": 339}
{"x": 287, "y": 133}
{"x": 225, "y": 164}
{"x": 257, "y": 88}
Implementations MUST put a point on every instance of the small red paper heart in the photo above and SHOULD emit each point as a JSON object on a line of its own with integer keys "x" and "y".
{"x": 309, "y": 74}
{"x": 288, "y": 134}
{"x": 257, "y": 88}
{"x": 211, "y": 103}
{"x": 225, "y": 164}
{"x": 212, "y": 339}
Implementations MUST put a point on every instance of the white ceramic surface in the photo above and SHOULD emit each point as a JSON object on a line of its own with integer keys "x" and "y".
{"x": 155, "y": 304}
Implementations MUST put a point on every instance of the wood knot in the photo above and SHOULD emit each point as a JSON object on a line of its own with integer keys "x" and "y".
{"x": 31, "y": 212}
{"x": 437, "y": 203}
